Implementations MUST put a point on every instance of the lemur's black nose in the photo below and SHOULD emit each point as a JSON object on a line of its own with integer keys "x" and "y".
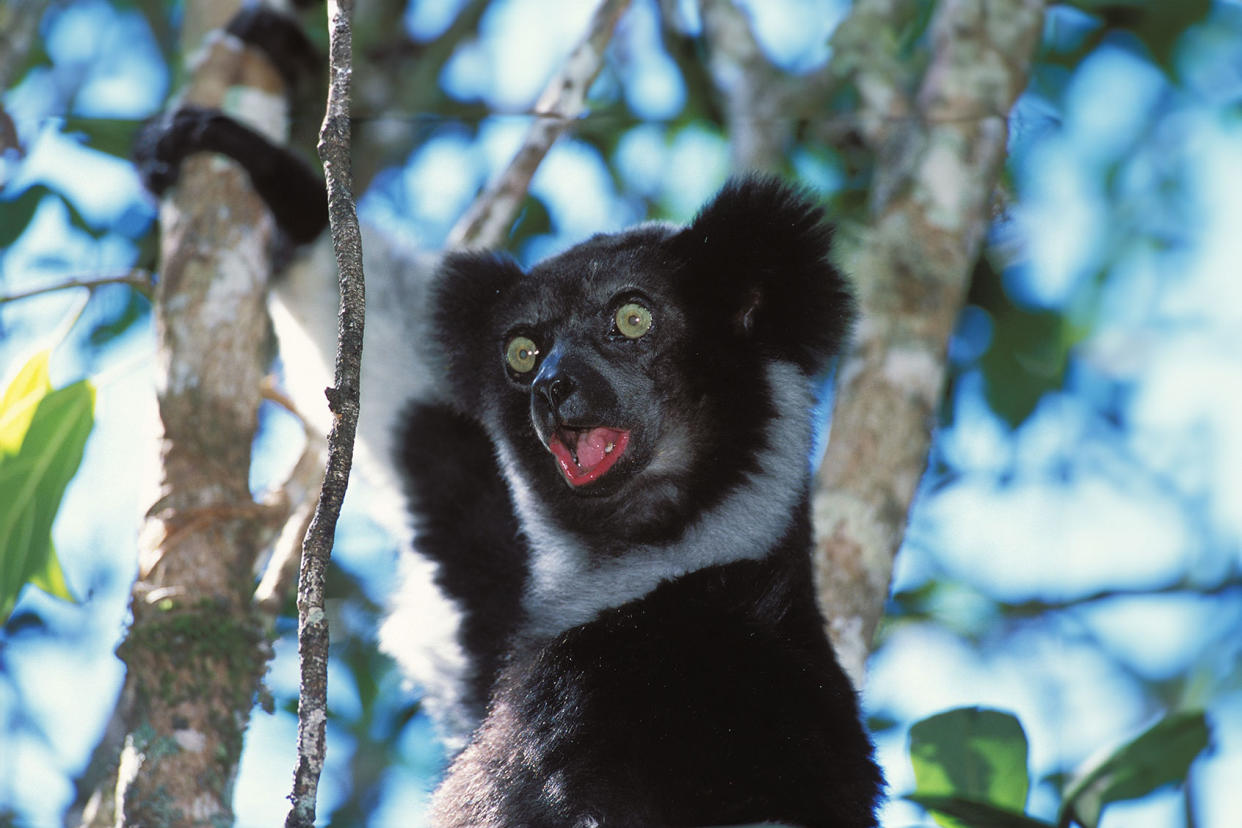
{"x": 555, "y": 388}
{"x": 553, "y": 382}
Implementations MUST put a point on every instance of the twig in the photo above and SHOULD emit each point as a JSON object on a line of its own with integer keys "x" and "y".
{"x": 1036, "y": 608}
{"x": 140, "y": 280}
{"x": 746, "y": 80}
{"x": 487, "y": 221}
{"x": 299, "y": 495}
{"x": 343, "y": 401}
{"x": 764, "y": 106}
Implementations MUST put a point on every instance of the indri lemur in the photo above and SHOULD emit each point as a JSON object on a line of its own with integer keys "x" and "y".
{"x": 605, "y": 460}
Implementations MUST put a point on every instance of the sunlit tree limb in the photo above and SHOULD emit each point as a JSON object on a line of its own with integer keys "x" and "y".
{"x": 195, "y": 651}
{"x": 487, "y": 221}
{"x": 939, "y": 144}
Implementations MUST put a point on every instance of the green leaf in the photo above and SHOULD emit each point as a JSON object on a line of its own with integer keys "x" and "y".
{"x": 970, "y": 754}
{"x": 16, "y": 212}
{"x": 1157, "y": 23}
{"x": 1029, "y": 352}
{"x": 1160, "y": 756}
{"x": 32, "y": 484}
{"x": 21, "y": 397}
{"x": 113, "y": 136}
{"x": 532, "y": 220}
{"x": 51, "y": 579}
{"x": 16, "y": 531}
{"x": 119, "y": 308}
{"x": 967, "y": 812}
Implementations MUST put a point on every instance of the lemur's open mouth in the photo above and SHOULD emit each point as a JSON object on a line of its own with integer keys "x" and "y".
{"x": 586, "y": 454}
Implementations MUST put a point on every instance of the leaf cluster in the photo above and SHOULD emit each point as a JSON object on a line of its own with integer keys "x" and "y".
{"x": 970, "y": 768}
{"x": 42, "y": 436}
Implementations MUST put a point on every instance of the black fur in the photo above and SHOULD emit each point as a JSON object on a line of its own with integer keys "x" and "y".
{"x": 713, "y": 697}
{"x": 292, "y": 191}
{"x": 643, "y": 646}
{"x": 281, "y": 39}
{"x": 708, "y": 702}
{"x": 460, "y": 503}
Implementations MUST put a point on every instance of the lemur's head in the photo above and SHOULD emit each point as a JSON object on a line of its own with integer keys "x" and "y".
{"x": 630, "y": 380}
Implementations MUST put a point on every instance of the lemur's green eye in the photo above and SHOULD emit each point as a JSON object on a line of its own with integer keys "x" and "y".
{"x": 633, "y": 320}
{"x": 522, "y": 354}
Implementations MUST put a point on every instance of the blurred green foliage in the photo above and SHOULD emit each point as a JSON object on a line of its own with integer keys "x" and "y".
{"x": 971, "y": 768}
{"x": 42, "y": 436}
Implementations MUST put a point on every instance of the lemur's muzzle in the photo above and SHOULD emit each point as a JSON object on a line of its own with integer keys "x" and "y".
{"x": 570, "y": 402}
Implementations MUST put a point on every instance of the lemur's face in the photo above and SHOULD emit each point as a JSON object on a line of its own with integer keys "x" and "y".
{"x": 628, "y": 383}
{"x": 576, "y": 410}
{"x": 589, "y": 380}
{"x": 598, "y": 382}
{"x": 598, "y": 401}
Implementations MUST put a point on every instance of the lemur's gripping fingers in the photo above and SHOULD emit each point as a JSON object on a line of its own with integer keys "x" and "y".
{"x": 291, "y": 189}
{"x": 165, "y": 141}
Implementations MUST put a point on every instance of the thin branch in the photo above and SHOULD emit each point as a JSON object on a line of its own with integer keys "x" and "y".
{"x": 1036, "y": 608}
{"x": 139, "y": 280}
{"x": 745, "y": 79}
{"x": 280, "y": 576}
{"x": 299, "y": 497}
{"x": 487, "y": 222}
{"x": 764, "y": 105}
{"x": 343, "y": 400}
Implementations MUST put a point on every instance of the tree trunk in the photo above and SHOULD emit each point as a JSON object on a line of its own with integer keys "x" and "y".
{"x": 938, "y": 154}
{"x": 197, "y": 649}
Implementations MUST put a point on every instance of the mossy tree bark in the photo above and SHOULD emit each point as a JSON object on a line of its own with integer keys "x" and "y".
{"x": 939, "y": 138}
{"x": 197, "y": 647}
{"x": 932, "y": 125}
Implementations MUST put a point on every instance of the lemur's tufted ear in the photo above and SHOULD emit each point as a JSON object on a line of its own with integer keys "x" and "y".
{"x": 758, "y": 252}
{"x": 465, "y": 294}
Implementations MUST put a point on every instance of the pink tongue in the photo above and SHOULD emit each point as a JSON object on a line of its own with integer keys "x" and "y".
{"x": 593, "y": 445}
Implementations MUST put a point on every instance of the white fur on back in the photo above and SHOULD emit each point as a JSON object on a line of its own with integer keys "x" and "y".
{"x": 304, "y": 314}
{"x": 421, "y": 635}
{"x": 421, "y": 631}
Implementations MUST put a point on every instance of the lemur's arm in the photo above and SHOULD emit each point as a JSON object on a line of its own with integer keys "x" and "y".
{"x": 426, "y": 465}
{"x": 288, "y": 186}
{"x": 464, "y": 522}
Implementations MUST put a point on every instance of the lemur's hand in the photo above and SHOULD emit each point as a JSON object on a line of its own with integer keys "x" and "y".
{"x": 292, "y": 190}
